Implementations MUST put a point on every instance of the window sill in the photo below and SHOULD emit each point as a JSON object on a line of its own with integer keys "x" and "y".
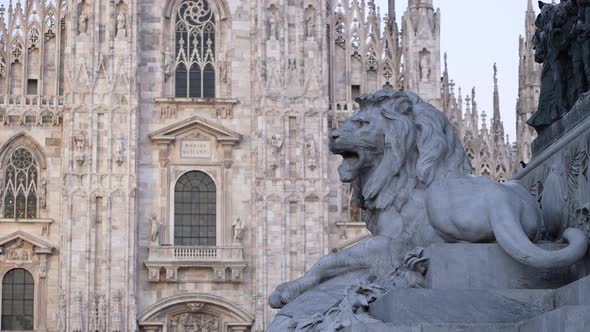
{"x": 26, "y": 221}
{"x": 351, "y": 224}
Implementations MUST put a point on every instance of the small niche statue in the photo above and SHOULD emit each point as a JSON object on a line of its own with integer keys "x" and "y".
{"x": 155, "y": 229}
{"x": 121, "y": 24}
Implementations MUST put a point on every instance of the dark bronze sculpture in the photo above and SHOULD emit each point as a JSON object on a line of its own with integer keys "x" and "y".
{"x": 562, "y": 45}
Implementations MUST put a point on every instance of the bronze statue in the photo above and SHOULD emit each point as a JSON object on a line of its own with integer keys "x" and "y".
{"x": 562, "y": 45}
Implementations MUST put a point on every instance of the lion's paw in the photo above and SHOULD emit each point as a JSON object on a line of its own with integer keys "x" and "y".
{"x": 284, "y": 294}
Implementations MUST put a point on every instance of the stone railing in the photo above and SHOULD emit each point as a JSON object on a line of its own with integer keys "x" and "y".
{"x": 219, "y": 260}
{"x": 31, "y": 110}
{"x": 46, "y": 101}
{"x": 196, "y": 254}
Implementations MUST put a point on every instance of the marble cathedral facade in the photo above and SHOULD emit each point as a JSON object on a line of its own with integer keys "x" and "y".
{"x": 164, "y": 163}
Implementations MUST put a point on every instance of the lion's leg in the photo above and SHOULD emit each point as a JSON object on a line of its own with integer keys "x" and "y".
{"x": 365, "y": 255}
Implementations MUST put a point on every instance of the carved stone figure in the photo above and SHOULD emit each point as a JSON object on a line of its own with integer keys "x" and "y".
{"x": 311, "y": 154}
{"x": 121, "y": 24}
{"x": 237, "y": 230}
{"x": 169, "y": 63}
{"x": 42, "y": 193}
{"x": 83, "y": 23}
{"x": 424, "y": 66}
{"x": 407, "y": 167}
{"x": 273, "y": 21}
{"x": 120, "y": 150}
{"x": 310, "y": 23}
{"x": 155, "y": 229}
{"x": 80, "y": 148}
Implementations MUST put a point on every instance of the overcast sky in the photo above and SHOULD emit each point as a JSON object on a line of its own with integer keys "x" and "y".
{"x": 475, "y": 34}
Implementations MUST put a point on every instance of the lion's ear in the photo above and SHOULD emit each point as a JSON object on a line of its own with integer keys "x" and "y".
{"x": 401, "y": 105}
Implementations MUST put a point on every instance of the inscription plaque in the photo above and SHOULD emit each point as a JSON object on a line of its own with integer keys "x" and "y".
{"x": 195, "y": 149}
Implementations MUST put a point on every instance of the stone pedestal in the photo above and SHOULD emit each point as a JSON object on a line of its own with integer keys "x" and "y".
{"x": 487, "y": 266}
{"x": 478, "y": 287}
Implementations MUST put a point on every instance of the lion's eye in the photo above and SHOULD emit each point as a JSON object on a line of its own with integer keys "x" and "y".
{"x": 362, "y": 122}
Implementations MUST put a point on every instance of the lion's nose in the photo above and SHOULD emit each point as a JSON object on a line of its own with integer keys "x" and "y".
{"x": 334, "y": 135}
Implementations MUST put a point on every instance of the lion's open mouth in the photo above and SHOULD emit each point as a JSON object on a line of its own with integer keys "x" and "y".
{"x": 350, "y": 163}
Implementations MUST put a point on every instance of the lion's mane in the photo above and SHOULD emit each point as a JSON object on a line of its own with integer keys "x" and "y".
{"x": 420, "y": 145}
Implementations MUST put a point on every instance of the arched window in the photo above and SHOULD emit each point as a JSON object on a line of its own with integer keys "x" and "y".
{"x": 195, "y": 50}
{"x": 17, "y": 301}
{"x": 20, "y": 185}
{"x": 194, "y": 210}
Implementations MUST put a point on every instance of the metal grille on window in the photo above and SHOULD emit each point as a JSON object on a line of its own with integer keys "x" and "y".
{"x": 20, "y": 185}
{"x": 195, "y": 50}
{"x": 194, "y": 210}
{"x": 17, "y": 301}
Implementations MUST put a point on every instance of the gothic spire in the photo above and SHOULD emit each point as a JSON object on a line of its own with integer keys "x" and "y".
{"x": 497, "y": 126}
{"x": 391, "y": 10}
{"x": 496, "y": 95}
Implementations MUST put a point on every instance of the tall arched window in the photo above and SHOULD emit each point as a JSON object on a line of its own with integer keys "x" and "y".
{"x": 17, "y": 301}
{"x": 194, "y": 210}
{"x": 20, "y": 185}
{"x": 195, "y": 50}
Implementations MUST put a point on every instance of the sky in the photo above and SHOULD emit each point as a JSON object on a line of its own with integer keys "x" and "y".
{"x": 475, "y": 34}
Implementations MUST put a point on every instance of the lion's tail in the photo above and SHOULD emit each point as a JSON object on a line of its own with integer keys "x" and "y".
{"x": 515, "y": 242}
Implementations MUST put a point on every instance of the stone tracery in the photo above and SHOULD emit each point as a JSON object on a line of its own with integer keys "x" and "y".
{"x": 195, "y": 50}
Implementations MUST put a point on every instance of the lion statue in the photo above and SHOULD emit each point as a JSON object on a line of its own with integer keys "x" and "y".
{"x": 411, "y": 176}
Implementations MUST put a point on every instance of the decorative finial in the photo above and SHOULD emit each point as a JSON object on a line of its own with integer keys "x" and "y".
{"x": 495, "y": 75}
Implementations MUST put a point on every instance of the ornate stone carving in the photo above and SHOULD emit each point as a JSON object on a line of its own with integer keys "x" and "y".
{"x": 116, "y": 313}
{"x": 93, "y": 318}
{"x": 194, "y": 322}
{"x": 195, "y": 307}
{"x": 101, "y": 314}
{"x": 354, "y": 307}
{"x": 237, "y": 230}
{"x": 77, "y": 313}
{"x": 19, "y": 251}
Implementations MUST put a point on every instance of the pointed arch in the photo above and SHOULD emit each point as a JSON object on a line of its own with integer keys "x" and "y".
{"x": 22, "y": 140}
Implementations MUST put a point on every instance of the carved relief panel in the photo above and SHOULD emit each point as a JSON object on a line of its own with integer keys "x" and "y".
{"x": 194, "y": 322}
